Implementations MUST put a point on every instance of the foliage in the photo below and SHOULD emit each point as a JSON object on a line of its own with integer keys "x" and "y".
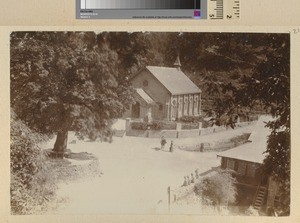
{"x": 251, "y": 211}
{"x": 163, "y": 125}
{"x": 190, "y": 126}
{"x": 140, "y": 125}
{"x": 155, "y": 125}
{"x": 219, "y": 189}
{"x": 31, "y": 179}
{"x": 269, "y": 85}
{"x": 191, "y": 119}
{"x": 68, "y": 80}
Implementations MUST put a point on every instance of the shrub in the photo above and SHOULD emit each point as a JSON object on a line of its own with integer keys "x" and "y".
{"x": 158, "y": 125}
{"x": 31, "y": 181}
{"x": 251, "y": 212}
{"x": 190, "y": 125}
{"x": 205, "y": 124}
{"x": 219, "y": 188}
{"x": 140, "y": 125}
{"x": 155, "y": 125}
{"x": 190, "y": 119}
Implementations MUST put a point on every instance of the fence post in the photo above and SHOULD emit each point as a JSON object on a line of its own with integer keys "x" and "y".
{"x": 178, "y": 126}
{"x": 127, "y": 125}
{"x": 200, "y": 125}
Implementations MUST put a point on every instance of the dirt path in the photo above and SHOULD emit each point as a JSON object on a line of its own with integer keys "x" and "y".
{"x": 135, "y": 176}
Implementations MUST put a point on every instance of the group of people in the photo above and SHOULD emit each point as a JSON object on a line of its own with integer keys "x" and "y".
{"x": 187, "y": 180}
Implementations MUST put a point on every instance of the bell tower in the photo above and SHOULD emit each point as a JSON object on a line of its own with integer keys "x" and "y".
{"x": 177, "y": 63}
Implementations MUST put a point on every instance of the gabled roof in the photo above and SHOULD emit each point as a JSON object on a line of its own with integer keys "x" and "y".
{"x": 144, "y": 96}
{"x": 174, "y": 80}
{"x": 254, "y": 150}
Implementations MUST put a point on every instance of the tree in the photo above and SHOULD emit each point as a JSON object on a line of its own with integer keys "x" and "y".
{"x": 269, "y": 86}
{"x": 63, "y": 81}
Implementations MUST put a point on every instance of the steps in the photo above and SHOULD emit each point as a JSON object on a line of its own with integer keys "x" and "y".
{"x": 259, "y": 198}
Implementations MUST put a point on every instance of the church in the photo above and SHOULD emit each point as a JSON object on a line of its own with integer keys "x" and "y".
{"x": 164, "y": 93}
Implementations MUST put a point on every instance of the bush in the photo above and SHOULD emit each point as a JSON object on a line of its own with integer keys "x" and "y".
{"x": 190, "y": 119}
{"x": 218, "y": 189}
{"x": 155, "y": 125}
{"x": 190, "y": 126}
{"x": 158, "y": 125}
{"x": 31, "y": 181}
{"x": 251, "y": 212}
{"x": 140, "y": 125}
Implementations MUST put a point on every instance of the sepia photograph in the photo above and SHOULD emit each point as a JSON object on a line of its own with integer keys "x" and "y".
{"x": 163, "y": 123}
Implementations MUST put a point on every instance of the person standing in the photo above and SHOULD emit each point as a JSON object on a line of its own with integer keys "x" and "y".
{"x": 163, "y": 142}
{"x": 171, "y": 147}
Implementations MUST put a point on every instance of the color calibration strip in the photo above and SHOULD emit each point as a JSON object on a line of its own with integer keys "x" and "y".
{"x": 140, "y": 4}
{"x": 157, "y": 9}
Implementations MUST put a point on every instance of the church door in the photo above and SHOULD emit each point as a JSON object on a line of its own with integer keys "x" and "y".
{"x": 135, "y": 110}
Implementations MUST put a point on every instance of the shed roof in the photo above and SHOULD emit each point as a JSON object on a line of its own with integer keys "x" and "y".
{"x": 144, "y": 96}
{"x": 254, "y": 150}
{"x": 174, "y": 80}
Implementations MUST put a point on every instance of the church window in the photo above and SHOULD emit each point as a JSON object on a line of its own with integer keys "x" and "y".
{"x": 174, "y": 103}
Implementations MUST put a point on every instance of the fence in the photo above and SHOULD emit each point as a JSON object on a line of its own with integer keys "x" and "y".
{"x": 178, "y": 132}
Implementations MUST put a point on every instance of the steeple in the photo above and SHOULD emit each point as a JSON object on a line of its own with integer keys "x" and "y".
{"x": 177, "y": 63}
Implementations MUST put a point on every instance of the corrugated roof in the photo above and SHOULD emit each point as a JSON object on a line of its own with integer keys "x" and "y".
{"x": 144, "y": 96}
{"x": 254, "y": 150}
{"x": 174, "y": 80}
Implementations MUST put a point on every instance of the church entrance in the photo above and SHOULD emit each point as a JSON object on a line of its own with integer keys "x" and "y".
{"x": 135, "y": 110}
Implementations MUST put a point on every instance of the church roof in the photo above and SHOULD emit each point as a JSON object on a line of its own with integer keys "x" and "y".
{"x": 174, "y": 80}
{"x": 254, "y": 150}
{"x": 144, "y": 96}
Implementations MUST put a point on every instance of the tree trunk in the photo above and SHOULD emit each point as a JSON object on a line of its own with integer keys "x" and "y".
{"x": 60, "y": 145}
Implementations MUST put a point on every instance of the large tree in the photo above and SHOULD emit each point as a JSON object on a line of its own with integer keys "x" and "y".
{"x": 63, "y": 81}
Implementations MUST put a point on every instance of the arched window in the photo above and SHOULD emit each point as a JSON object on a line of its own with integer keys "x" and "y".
{"x": 174, "y": 108}
{"x": 196, "y": 104}
{"x": 185, "y": 105}
{"x": 174, "y": 103}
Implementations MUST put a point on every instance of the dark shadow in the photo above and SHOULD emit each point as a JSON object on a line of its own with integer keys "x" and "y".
{"x": 156, "y": 148}
{"x": 80, "y": 156}
{"x": 70, "y": 155}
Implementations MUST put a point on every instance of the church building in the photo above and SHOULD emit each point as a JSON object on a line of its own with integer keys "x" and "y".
{"x": 164, "y": 93}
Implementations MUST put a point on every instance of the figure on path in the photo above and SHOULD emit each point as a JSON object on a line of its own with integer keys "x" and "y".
{"x": 171, "y": 147}
{"x": 163, "y": 142}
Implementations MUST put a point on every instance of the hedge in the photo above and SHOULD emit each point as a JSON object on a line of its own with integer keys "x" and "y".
{"x": 155, "y": 125}
{"x": 190, "y": 119}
